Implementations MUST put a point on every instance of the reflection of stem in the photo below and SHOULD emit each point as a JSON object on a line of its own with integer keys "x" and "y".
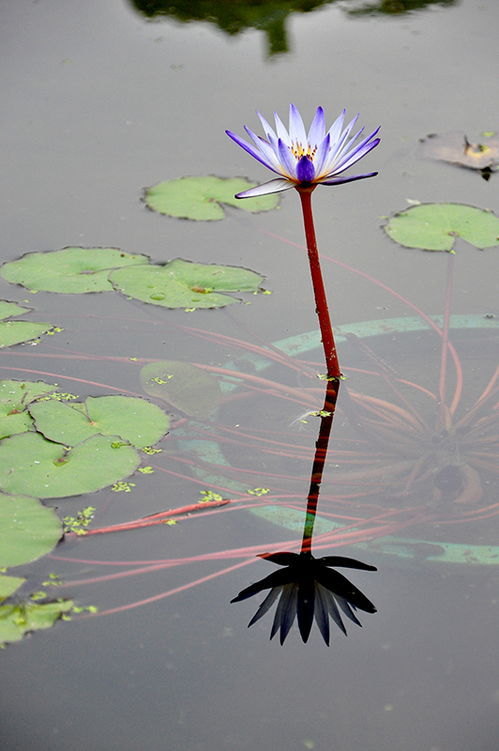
{"x": 321, "y": 447}
{"x": 333, "y": 367}
{"x": 445, "y": 334}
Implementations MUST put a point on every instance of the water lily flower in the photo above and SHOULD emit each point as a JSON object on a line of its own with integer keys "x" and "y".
{"x": 304, "y": 159}
{"x": 308, "y": 588}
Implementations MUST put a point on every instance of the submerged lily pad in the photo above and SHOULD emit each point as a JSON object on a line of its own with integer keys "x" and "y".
{"x": 31, "y": 465}
{"x": 135, "y": 420}
{"x": 71, "y": 270}
{"x": 434, "y": 226}
{"x": 17, "y": 332}
{"x": 18, "y": 619}
{"x": 28, "y": 530}
{"x": 14, "y": 398}
{"x": 183, "y": 284}
{"x": 201, "y": 198}
{"x": 186, "y": 387}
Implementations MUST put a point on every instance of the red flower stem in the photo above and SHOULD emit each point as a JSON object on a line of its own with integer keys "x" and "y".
{"x": 333, "y": 367}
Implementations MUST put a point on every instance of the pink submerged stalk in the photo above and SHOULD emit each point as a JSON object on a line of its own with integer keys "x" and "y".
{"x": 304, "y": 160}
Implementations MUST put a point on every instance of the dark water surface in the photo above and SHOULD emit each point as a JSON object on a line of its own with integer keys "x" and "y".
{"x": 98, "y": 102}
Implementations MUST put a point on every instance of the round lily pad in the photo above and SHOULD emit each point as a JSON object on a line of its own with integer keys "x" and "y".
{"x": 70, "y": 270}
{"x": 183, "y": 284}
{"x": 16, "y": 620}
{"x": 434, "y": 226}
{"x": 31, "y": 465}
{"x": 201, "y": 198}
{"x": 186, "y": 387}
{"x": 135, "y": 420}
{"x": 28, "y": 530}
{"x": 14, "y": 398}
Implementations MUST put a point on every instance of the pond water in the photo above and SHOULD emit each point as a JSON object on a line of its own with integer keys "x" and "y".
{"x": 102, "y": 99}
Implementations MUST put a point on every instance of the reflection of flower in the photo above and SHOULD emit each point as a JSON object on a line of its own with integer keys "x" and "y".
{"x": 308, "y": 587}
{"x": 303, "y": 159}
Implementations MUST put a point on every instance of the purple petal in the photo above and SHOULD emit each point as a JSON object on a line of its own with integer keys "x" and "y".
{"x": 354, "y": 157}
{"x": 296, "y": 128}
{"x": 281, "y": 130}
{"x": 287, "y": 160}
{"x": 305, "y": 171}
{"x": 267, "y": 129}
{"x": 276, "y": 185}
{"x": 322, "y": 154}
{"x": 252, "y": 151}
{"x": 335, "y": 129}
{"x": 341, "y": 180}
{"x": 265, "y": 149}
{"x": 317, "y": 129}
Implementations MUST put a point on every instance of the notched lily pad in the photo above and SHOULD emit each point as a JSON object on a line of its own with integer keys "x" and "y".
{"x": 72, "y": 270}
{"x": 17, "y": 332}
{"x": 434, "y": 226}
{"x": 31, "y": 465}
{"x": 201, "y": 198}
{"x": 28, "y": 530}
{"x": 184, "y": 284}
{"x": 455, "y": 148}
{"x": 185, "y": 387}
{"x": 19, "y": 619}
{"x": 135, "y": 420}
{"x": 14, "y": 399}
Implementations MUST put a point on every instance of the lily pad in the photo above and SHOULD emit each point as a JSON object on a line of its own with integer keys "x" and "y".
{"x": 135, "y": 420}
{"x": 71, "y": 270}
{"x": 31, "y": 465}
{"x": 9, "y": 585}
{"x": 28, "y": 530}
{"x": 18, "y": 619}
{"x": 14, "y": 398}
{"x": 201, "y": 198}
{"x": 434, "y": 226}
{"x": 185, "y": 387}
{"x": 183, "y": 284}
{"x": 10, "y": 309}
{"x": 17, "y": 332}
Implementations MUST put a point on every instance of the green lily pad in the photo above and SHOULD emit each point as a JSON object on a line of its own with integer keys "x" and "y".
{"x": 10, "y": 309}
{"x": 135, "y": 420}
{"x": 14, "y": 398}
{"x": 434, "y": 226}
{"x": 200, "y": 198}
{"x": 70, "y": 270}
{"x": 17, "y": 332}
{"x": 31, "y": 465}
{"x": 28, "y": 530}
{"x": 16, "y": 620}
{"x": 185, "y": 387}
{"x": 9, "y": 585}
{"x": 183, "y": 284}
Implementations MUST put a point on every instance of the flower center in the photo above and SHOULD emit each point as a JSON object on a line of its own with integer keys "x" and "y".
{"x": 298, "y": 150}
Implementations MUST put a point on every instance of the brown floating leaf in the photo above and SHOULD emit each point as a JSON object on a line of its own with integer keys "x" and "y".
{"x": 456, "y": 148}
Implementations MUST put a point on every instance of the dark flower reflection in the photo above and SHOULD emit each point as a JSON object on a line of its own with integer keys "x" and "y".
{"x": 308, "y": 587}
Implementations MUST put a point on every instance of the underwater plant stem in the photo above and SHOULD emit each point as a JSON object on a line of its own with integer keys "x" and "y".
{"x": 449, "y": 285}
{"x": 321, "y": 307}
